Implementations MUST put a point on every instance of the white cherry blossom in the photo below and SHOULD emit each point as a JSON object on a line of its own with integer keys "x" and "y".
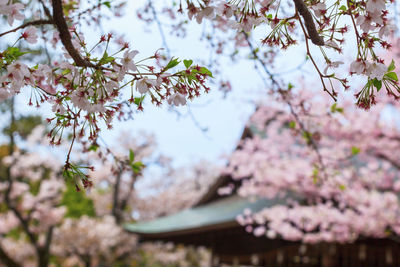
{"x": 127, "y": 60}
{"x": 177, "y": 100}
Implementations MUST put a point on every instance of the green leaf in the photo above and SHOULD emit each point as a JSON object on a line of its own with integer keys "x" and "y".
{"x": 355, "y": 150}
{"x": 391, "y": 66}
{"x": 66, "y": 71}
{"x": 66, "y": 173}
{"x": 343, "y": 8}
{"x": 138, "y": 100}
{"x": 342, "y": 187}
{"x": 14, "y": 52}
{"x": 333, "y": 107}
{"x": 315, "y": 175}
{"x": 377, "y": 83}
{"x": 107, "y": 4}
{"x": 292, "y": 125}
{"x": 106, "y": 59}
{"x": 93, "y": 147}
{"x": 204, "y": 70}
{"x": 137, "y": 167}
{"x": 187, "y": 63}
{"x": 172, "y": 63}
{"x": 308, "y": 137}
{"x": 131, "y": 156}
{"x": 392, "y": 76}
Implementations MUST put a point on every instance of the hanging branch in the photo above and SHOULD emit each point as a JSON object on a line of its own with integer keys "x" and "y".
{"x": 313, "y": 144}
{"x": 309, "y": 22}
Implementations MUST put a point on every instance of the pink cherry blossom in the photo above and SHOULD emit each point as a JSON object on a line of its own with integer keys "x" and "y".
{"x": 30, "y": 35}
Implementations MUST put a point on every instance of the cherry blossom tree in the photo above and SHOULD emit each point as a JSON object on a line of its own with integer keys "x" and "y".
{"x": 333, "y": 167}
{"x": 47, "y": 219}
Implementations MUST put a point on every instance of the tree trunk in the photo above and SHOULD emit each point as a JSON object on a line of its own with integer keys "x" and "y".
{"x": 4, "y": 258}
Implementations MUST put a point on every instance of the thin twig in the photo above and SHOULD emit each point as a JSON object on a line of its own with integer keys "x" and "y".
{"x": 321, "y": 76}
{"x": 160, "y": 29}
{"x": 314, "y": 146}
{"x": 31, "y": 23}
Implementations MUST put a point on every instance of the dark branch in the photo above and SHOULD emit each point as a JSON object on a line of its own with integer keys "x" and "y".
{"x": 309, "y": 22}
{"x": 31, "y": 23}
{"x": 116, "y": 211}
{"x": 44, "y": 252}
{"x": 46, "y": 10}
{"x": 9, "y": 202}
{"x": 391, "y": 161}
{"x": 65, "y": 36}
{"x": 4, "y": 258}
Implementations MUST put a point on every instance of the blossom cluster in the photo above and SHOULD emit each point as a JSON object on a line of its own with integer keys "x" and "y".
{"x": 88, "y": 87}
{"x": 322, "y": 23}
{"x": 11, "y": 11}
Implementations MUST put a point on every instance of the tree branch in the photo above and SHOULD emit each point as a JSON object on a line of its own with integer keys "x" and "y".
{"x": 65, "y": 36}
{"x": 31, "y": 23}
{"x": 124, "y": 201}
{"x": 309, "y": 22}
{"x": 44, "y": 255}
{"x": 116, "y": 211}
{"x": 46, "y": 10}
{"x": 4, "y": 258}
{"x": 395, "y": 164}
{"x": 24, "y": 223}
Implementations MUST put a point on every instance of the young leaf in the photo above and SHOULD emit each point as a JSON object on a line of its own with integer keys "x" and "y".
{"x": 137, "y": 167}
{"x": 187, "y": 63}
{"x": 355, "y": 150}
{"x": 107, "y": 4}
{"x": 93, "y": 147}
{"x": 333, "y": 107}
{"x": 131, "y": 156}
{"x": 392, "y": 76}
{"x": 391, "y": 66}
{"x": 377, "y": 83}
{"x": 105, "y": 59}
{"x": 172, "y": 63}
{"x": 204, "y": 70}
{"x": 315, "y": 175}
{"x": 138, "y": 100}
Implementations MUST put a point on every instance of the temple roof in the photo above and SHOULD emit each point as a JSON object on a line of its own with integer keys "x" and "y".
{"x": 211, "y": 216}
